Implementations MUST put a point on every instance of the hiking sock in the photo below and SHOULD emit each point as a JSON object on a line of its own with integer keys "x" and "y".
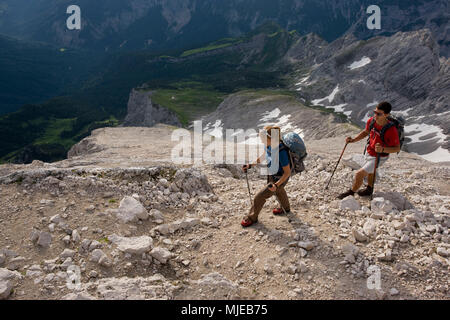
{"x": 350, "y": 192}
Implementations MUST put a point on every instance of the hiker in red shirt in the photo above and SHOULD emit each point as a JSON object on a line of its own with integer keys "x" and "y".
{"x": 376, "y": 145}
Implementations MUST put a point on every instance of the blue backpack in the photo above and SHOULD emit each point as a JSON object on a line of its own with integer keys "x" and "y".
{"x": 297, "y": 151}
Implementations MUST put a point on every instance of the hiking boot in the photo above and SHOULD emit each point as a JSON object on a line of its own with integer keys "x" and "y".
{"x": 346, "y": 194}
{"x": 279, "y": 211}
{"x": 366, "y": 192}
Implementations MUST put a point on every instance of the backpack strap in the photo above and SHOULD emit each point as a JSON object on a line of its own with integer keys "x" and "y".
{"x": 285, "y": 147}
{"x": 371, "y": 126}
{"x": 389, "y": 125}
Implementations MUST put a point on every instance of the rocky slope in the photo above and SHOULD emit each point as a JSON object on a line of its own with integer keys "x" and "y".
{"x": 142, "y": 112}
{"x": 351, "y": 76}
{"x": 135, "y": 226}
{"x": 255, "y": 109}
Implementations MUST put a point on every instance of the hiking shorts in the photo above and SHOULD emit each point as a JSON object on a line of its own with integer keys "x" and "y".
{"x": 369, "y": 163}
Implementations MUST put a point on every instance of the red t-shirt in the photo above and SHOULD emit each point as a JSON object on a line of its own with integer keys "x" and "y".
{"x": 390, "y": 137}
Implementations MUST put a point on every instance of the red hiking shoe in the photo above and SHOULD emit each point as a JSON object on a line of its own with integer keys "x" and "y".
{"x": 247, "y": 222}
{"x": 277, "y": 211}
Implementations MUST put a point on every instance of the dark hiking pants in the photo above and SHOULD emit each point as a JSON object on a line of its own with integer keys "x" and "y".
{"x": 265, "y": 194}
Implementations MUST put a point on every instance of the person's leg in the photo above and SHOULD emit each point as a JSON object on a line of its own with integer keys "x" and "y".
{"x": 368, "y": 167}
{"x": 258, "y": 203}
{"x": 359, "y": 179}
{"x": 283, "y": 197}
{"x": 370, "y": 180}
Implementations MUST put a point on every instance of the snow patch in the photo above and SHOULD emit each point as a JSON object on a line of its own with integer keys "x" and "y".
{"x": 330, "y": 98}
{"x": 359, "y": 64}
{"x": 439, "y": 155}
{"x": 403, "y": 113}
{"x": 268, "y": 115}
{"x": 423, "y": 130}
{"x": 340, "y": 108}
{"x": 302, "y": 81}
{"x": 282, "y": 122}
{"x": 216, "y": 131}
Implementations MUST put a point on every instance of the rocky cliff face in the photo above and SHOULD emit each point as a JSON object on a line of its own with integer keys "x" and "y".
{"x": 174, "y": 23}
{"x": 351, "y": 76}
{"x": 142, "y": 112}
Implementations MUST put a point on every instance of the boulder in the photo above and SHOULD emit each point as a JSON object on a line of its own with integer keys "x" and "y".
{"x": 161, "y": 254}
{"x": 156, "y": 214}
{"x": 235, "y": 170}
{"x": 359, "y": 235}
{"x": 192, "y": 180}
{"x": 130, "y": 210}
{"x": 442, "y": 252}
{"x": 307, "y": 245}
{"x": 7, "y": 279}
{"x": 5, "y": 289}
{"x": 132, "y": 245}
{"x": 96, "y": 255}
{"x": 67, "y": 253}
{"x": 355, "y": 161}
{"x": 370, "y": 227}
{"x": 44, "y": 240}
{"x": 76, "y": 236}
{"x": 397, "y": 199}
{"x": 349, "y": 203}
{"x": 380, "y": 204}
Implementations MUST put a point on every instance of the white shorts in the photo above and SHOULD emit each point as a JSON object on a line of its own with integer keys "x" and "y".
{"x": 369, "y": 163}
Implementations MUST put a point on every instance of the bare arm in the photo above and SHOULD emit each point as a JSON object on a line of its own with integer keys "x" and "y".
{"x": 359, "y": 137}
{"x": 285, "y": 176}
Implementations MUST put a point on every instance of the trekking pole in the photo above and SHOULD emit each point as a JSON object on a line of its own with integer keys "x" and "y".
{"x": 248, "y": 186}
{"x": 342, "y": 153}
{"x": 374, "y": 176}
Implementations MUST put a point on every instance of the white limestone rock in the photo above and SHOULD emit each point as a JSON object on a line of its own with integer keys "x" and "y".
{"x": 161, "y": 254}
{"x": 349, "y": 203}
{"x": 132, "y": 245}
{"x": 380, "y": 204}
{"x": 130, "y": 210}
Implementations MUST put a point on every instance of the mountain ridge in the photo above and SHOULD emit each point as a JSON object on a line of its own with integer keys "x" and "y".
{"x": 157, "y": 24}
